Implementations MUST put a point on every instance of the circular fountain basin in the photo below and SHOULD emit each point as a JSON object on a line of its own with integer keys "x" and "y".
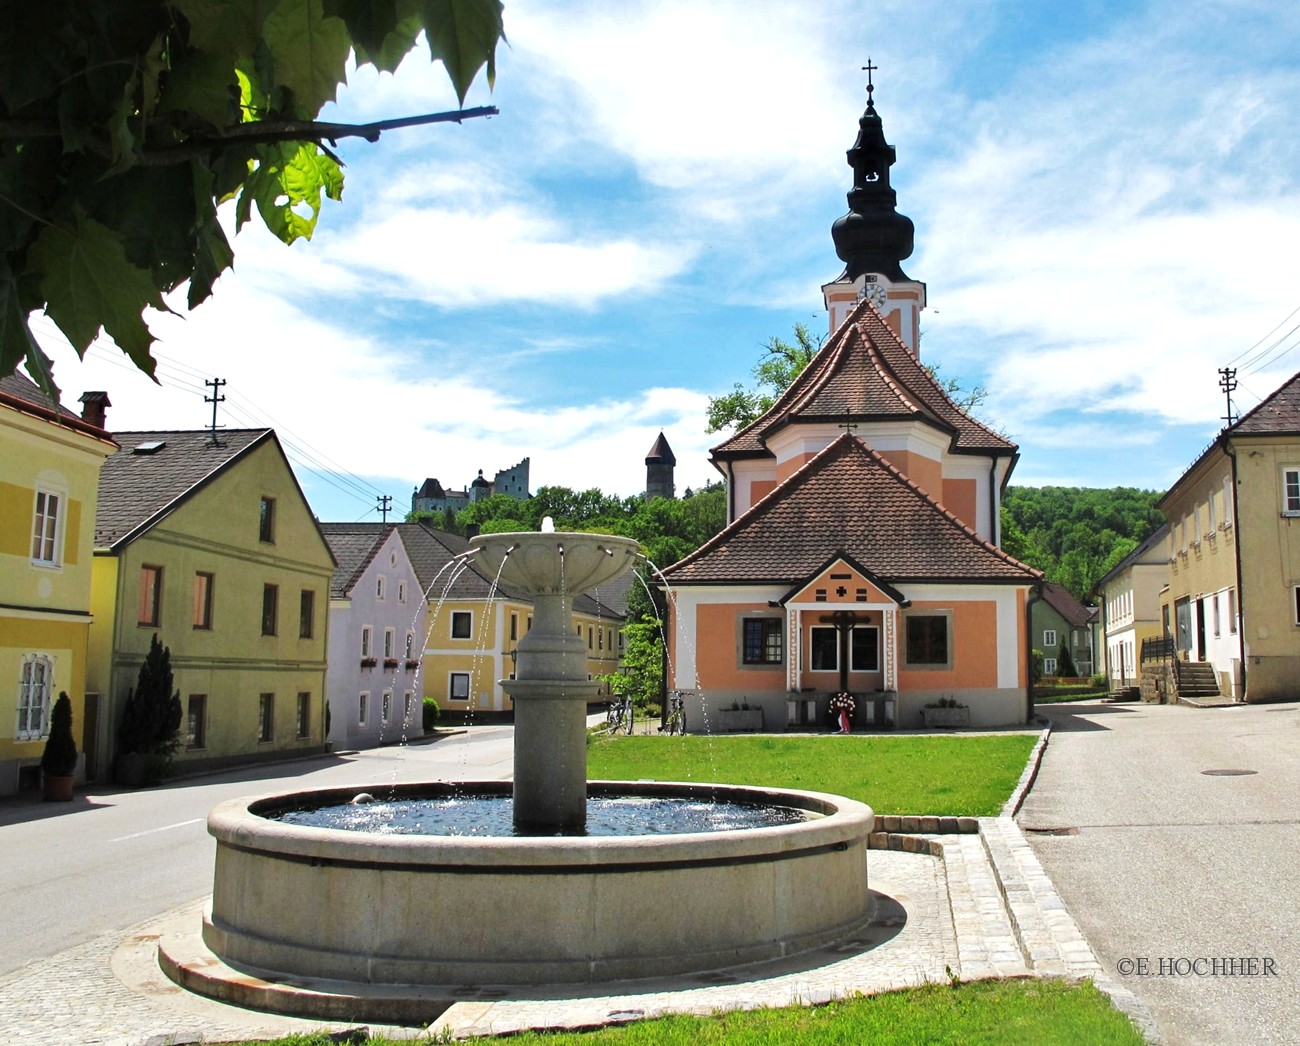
{"x": 291, "y": 901}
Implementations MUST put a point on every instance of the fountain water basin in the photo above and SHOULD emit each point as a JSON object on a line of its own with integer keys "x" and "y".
{"x": 549, "y": 903}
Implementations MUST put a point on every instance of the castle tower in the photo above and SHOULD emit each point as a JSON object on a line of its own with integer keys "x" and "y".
{"x": 659, "y": 470}
{"x": 873, "y": 239}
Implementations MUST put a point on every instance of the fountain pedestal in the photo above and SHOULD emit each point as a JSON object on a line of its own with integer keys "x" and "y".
{"x": 551, "y": 689}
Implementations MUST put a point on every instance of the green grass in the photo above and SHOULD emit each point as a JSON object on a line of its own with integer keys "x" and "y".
{"x": 983, "y": 1013}
{"x": 1054, "y": 695}
{"x": 947, "y": 776}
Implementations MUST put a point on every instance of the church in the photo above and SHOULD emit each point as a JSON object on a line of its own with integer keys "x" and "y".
{"x": 861, "y": 553}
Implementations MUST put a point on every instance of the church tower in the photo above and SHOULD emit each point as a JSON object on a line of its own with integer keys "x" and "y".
{"x": 659, "y": 465}
{"x": 873, "y": 239}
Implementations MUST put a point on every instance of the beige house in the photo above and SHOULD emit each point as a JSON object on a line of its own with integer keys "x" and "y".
{"x": 1129, "y": 597}
{"x": 1234, "y": 554}
{"x": 474, "y": 624}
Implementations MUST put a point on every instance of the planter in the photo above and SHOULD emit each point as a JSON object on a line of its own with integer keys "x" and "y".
{"x": 58, "y": 787}
{"x": 945, "y": 717}
{"x": 733, "y": 721}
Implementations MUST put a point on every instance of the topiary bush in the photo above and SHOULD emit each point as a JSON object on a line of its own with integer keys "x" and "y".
{"x": 430, "y": 713}
{"x": 152, "y": 715}
{"x": 60, "y": 756}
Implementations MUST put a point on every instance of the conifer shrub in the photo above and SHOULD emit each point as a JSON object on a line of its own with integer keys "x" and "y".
{"x": 60, "y": 756}
{"x": 152, "y": 715}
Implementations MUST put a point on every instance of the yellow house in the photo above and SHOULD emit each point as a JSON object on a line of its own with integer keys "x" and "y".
{"x": 210, "y": 545}
{"x": 49, "y": 471}
{"x": 1233, "y": 600}
{"x": 474, "y": 624}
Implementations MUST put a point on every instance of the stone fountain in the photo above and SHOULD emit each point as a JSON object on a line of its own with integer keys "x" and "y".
{"x": 336, "y": 924}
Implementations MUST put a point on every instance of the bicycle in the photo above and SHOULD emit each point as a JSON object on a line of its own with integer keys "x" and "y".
{"x": 620, "y": 716}
{"x": 676, "y": 722}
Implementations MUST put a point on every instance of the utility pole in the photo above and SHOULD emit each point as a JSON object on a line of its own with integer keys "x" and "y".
{"x": 215, "y": 384}
{"x": 1228, "y": 383}
{"x": 384, "y": 504}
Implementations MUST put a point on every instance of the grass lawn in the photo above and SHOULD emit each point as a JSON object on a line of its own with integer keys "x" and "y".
{"x": 947, "y": 776}
{"x": 983, "y": 1013}
{"x": 1055, "y": 695}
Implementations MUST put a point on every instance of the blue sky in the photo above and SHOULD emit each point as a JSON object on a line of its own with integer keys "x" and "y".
{"x": 1106, "y": 199}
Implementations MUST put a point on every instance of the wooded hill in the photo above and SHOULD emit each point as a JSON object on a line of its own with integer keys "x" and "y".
{"x": 1075, "y": 535}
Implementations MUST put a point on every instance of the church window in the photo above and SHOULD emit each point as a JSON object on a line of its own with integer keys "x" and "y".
{"x": 864, "y": 649}
{"x": 928, "y": 643}
{"x": 762, "y": 641}
{"x": 824, "y": 650}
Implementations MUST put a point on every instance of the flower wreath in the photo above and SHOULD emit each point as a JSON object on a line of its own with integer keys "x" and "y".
{"x": 842, "y": 702}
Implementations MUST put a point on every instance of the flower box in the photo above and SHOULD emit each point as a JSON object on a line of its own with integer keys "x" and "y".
{"x": 412, "y": 664}
{"x": 391, "y": 662}
{"x": 739, "y": 721}
{"x": 945, "y": 717}
{"x": 369, "y": 662}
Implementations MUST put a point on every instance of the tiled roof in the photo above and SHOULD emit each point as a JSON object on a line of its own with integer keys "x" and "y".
{"x": 1278, "y": 415}
{"x": 848, "y": 500}
{"x": 1060, "y": 599}
{"x": 661, "y": 452}
{"x": 865, "y": 373}
{"x": 137, "y": 490}
{"x": 355, "y": 546}
{"x": 1158, "y": 536}
{"x": 431, "y": 551}
{"x": 19, "y": 392}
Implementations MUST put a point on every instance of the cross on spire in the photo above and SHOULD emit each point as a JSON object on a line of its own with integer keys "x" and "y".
{"x": 869, "y": 69}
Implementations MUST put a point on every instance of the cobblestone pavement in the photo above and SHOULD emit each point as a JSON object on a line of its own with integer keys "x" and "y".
{"x": 974, "y": 906}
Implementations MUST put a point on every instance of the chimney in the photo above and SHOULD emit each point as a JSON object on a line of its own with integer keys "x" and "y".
{"x": 472, "y": 530}
{"x": 94, "y": 406}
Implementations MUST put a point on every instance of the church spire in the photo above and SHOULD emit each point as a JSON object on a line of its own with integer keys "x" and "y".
{"x": 873, "y": 237}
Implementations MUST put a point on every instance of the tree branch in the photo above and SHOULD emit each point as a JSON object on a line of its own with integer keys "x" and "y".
{"x": 256, "y": 132}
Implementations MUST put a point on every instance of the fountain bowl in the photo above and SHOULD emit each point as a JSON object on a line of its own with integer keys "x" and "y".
{"x": 292, "y": 902}
{"x": 555, "y": 562}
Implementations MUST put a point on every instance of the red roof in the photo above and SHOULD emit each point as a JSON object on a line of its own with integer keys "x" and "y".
{"x": 1278, "y": 415}
{"x": 848, "y": 500}
{"x": 865, "y": 373}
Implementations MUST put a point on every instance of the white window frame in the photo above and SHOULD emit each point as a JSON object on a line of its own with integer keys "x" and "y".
{"x": 469, "y": 614}
{"x": 381, "y": 588}
{"x": 43, "y": 534}
{"x": 390, "y": 644}
{"x": 1050, "y": 638}
{"x": 1291, "y": 492}
{"x": 366, "y": 641}
{"x": 265, "y": 718}
{"x": 1049, "y": 666}
{"x": 34, "y": 702}
{"x": 1227, "y": 503}
{"x": 363, "y": 708}
{"x": 401, "y": 591}
{"x": 410, "y": 646}
{"x": 1232, "y": 611}
{"x": 386, "y": 708}
{"x": 451, "y": 686}
{"x": 408, "y": 701}
{"x": 835, "y": 661}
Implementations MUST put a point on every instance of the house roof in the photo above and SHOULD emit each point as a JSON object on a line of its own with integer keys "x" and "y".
{"x": 848, "y": 500}
{"x": 431, "y": 551}
{"x": 136, "y": 490}
{"x": 1060, "y": 599}
{"x": 355, "y": 546}
{"x": 864, "y": 374}
{"x": 22, "y": 394}
{"x": 1278, "y": 415}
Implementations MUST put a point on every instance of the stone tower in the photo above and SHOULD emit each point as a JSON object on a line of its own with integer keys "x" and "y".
{"x": 659, "y": 470}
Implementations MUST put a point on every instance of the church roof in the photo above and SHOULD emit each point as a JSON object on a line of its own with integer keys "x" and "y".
{"x": 848, "y": 500}
{"x": 864, "y": 374}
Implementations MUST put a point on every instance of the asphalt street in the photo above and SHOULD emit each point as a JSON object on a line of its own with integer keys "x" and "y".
{"x": 112, "y": 858}
{"x": 1163, "y": 863}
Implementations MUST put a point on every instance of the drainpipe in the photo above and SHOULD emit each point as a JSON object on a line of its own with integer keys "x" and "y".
{"x": 1241, "y": 595}
{"x": 995, "y": 505}
{"x": 731, "y": 492}
{"x": 1035, "y": 597}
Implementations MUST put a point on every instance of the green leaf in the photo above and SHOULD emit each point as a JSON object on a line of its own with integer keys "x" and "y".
{"x": 16, "y": 339}
{"x": 225, "y": 27}
{"x": 464, "y": 34}
{"x": 203, "y": 84}
{"x": 88, "y": 284}
{"x": 288, "y": 177}
{"x": 309, "y": 51}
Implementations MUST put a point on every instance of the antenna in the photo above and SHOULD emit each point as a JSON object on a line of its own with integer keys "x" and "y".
{"x": 384, "y": 504}
{"x": 1228, "y": 383}
{"x": 215, "y": 384}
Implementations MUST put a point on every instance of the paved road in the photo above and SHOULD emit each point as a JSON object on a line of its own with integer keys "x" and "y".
{"x": 1171, "y": 864}
{"x": 111, "y": 859}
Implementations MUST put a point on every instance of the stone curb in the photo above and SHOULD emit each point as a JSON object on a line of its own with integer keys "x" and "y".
{"x": 1028, "y": 775}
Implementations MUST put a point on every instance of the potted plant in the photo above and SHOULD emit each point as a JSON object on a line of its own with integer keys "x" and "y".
{"x": 59, "y": 760}
{"x": 740, "y": 718}
{"x": 946, "y": 712}
{"x": 150, "y": 730}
